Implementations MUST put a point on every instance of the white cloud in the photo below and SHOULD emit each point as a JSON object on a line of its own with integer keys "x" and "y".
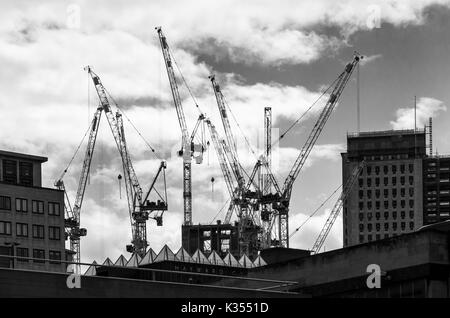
{"x": 426, "y": 107}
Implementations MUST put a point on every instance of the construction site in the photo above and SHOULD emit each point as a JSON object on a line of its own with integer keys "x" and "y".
{"x": 245, "y": 253}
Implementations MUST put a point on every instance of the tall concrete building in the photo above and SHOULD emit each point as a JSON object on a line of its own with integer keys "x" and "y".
{"x": 387, "y": 200}
{"x": 31, "y": 216}
{"x": 436, "y": 189}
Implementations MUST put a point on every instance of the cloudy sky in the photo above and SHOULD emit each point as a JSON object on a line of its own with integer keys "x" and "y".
{"x": 264, "y": 53}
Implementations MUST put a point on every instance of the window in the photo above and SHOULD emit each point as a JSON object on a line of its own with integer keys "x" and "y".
{"x": 9, "y": 171}
{"x": 386, "y": 226}
{"x": 402, "y": 168}
{"x": 411, "y": 180}
{"x": 37, "y": 207}
{"x": 369, "y": 205}
{"x": 386, "y": 236}
{"x": 385, "y": 169}
{"x": 402, "y": 204}
{"x": 394, "y": 169}
{"x": 53, "y": 208}
{"x": 386, "y": 204}
{"x": 377, "y": 205}
{"x": 369, "y": 182}
{"x": 22, "y": 252}
{"x": 394, "y": 226}
{"x": 394, "y": 193}
{"x": 403, "y": 225}
{"x": 22, "y": 229}
{"x": 5, "y": 228}
{"x": 369, "y": 238}
{"x": 369, "y": 170}
{"x": 377, "y": 226}
{"x": 402, "y": 214}
{"x": 411, "y": 226}
{"x": 377, "y": 181}
{"x": 394, "y": 181}
{"x": 369, "y": 216}
{"x": 21, "y": 205}
{"x": 411, "y": 192}
{"x": 386, "y": 215}
{"x": 377, "y": 215}
{"x": 38, "y": 254}
{"x": 38, "y": 231}
{"x": 360, "y": 194}
{"x": 361, "y": 216}
{"x": 361, "y": 227}
{"x": 54, "y": 233}
{"x": 5, "y": 203}
{"x": 361, "y": 205}
{"x": 55, "y": 256}
{"x": 394, "y": 204}
{"x": 402, "y": 180}
{"x": 394, "y": 215}
{"x": 402, "y": 192}
{"x": 385, "y": 193}
{"x": 411, "y": 214}
{"x": 411, "y": 203}
{"x": 369, "y": 227}
{"x": 411, "y": 168}
{"x": 360, "y": 180}
{"x": 361, "y": 239}
{"x": 385, "y": 181}
{"x": 369, "y": 194}
{"x": 26, "y": 173}
{"x": 377, "y": 193}
{"x": 377, "y": 170}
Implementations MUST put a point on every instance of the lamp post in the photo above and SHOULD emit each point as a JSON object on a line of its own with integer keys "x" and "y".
{"x": 12, "y": 244}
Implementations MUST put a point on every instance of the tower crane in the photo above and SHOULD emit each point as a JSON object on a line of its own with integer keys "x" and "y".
{"x": 219, "y": 146}
{"x": 139, "y": 207}
{"x": 283, "y": 204}
{"x": 72, "y": 220}
{"x": 337, "y": 208}
{"x": 139, "y": 210}
{"x": 187, "y": 145}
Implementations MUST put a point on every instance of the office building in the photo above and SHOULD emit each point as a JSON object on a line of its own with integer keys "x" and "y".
{"x": 31, "y": 216}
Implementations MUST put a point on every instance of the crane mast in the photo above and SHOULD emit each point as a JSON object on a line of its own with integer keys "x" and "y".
{"x": 307, "y": 147}
{"x": 138, "y": 215}
{"x": 219, "y": 147}
{"x": 186, "y": 150}
{"x": 231, "y": 142}
{"x": 337, "y": 208}
{"x": 72, "y": 222}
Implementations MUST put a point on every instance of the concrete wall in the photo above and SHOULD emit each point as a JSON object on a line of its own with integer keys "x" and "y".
{"x": 21, "y": 283}
{"x": 400, "y": 252}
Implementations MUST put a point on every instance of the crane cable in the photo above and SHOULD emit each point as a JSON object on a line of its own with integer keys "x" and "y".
{"x": 221, "y": 209}
{"x": 75, "y": 153}
{"x": 316, "y": 210}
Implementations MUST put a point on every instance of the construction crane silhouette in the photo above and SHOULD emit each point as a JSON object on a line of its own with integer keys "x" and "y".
{"x": 140, "y": 209}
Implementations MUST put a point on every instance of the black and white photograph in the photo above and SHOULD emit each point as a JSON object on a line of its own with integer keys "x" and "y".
{"x": 224, "y": 156}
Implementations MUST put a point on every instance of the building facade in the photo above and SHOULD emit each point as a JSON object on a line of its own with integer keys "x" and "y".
{"x": 31, "y": 216}
{"x": 387, "y": 200}
{"x": 436, "y": 189}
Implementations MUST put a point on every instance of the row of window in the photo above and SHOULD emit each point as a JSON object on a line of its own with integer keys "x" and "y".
{"x": 377, "y": 181}
{"x": 37, "y": 206}
{"x": 387, "y": 193}
{"x": 394, "y": 204}
{"x": 10, "y": 172}
{"x": 38, "y": 231}
{"x": 39, "y": 254}
{"x": 370, "y": 237}
{"x": 386, "y": 226}
{"x": 386, "y": 170}
{"x": 386, "y": 215}
{"x": 386, "y": 157}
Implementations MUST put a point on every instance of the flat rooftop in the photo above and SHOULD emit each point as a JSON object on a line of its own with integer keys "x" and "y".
{"x": 19, "y": 155}
{"x": 382, "y": 133}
